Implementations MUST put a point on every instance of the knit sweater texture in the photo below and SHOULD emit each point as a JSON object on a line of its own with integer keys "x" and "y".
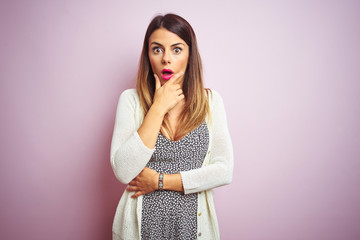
{"x": 129, "y": 156}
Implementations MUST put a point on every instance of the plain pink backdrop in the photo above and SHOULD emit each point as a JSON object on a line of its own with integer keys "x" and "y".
{"x": 288, "y": 72}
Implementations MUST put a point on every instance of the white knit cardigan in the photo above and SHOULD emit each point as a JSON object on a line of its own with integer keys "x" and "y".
{"x": 129, "y": 156}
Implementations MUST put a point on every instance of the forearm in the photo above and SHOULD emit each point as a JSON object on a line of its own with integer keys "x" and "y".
{"x": 205, "y": 178}
{"x": 173, "y": 182}
{"x": 151, "y": 125}
{"x": 148, "y": 181}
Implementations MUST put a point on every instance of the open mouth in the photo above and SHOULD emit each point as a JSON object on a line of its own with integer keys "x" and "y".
{"x": 166, "y": 74}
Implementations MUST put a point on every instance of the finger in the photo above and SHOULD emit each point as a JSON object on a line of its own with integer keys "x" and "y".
{"x": 157, "y": 82}
{"x": 176, "y": 78}
{"x": 179, "y": 91}
{"x": 181, "y": 97}
{"x": 137, "y": 194}
{"x": 132, "y": 183}
{"x": 131, "y": 189}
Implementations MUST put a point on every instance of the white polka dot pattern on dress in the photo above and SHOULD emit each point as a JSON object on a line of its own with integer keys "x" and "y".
{"x": 171, "y": 214}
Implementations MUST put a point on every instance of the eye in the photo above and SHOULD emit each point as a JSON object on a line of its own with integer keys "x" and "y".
{"x": 157, "y": 50}
{"x": 177, "y": 50}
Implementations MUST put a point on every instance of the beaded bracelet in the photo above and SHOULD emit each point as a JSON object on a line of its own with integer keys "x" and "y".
{"x": 161, "y": 181}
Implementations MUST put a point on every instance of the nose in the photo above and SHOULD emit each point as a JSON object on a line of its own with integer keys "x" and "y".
{"x": 166, "y": 59}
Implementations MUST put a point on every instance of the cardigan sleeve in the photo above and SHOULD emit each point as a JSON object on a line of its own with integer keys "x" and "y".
{"x": 128, "y": 154}
{"x": 220, "y": 168}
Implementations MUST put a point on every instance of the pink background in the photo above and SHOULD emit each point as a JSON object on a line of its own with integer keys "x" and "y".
{"x": 288, "y": 72}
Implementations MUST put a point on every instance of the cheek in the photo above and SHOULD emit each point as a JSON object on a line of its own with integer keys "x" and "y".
{"x": 183, "y": 62}
{"x": 154, "y": 62}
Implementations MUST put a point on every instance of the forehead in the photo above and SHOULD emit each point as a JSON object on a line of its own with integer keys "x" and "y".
{"x": 165, "y": 37}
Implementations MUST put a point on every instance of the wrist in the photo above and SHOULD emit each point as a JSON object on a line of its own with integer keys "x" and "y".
{"x": 158, "y": 110}
{"x": 161, "y": 181}
{"x": 156, "y": 181}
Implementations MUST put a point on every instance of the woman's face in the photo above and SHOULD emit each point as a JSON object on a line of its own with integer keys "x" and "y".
{"x": 168, "y": 54}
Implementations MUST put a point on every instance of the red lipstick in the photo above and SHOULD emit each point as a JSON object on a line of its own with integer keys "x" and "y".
{"x": 166, "y": 74}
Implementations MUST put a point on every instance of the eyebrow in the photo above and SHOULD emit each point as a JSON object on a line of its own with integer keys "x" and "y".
{"x": 175, "y": 44}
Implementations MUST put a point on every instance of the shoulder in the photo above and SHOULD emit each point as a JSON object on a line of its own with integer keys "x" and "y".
{"x": 128, "y": 99}
{"x": 129, "y": 95}
{"x": 214, "y": 97}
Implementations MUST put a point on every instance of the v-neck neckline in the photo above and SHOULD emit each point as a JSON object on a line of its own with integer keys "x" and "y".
{"x": 183, "y": 136}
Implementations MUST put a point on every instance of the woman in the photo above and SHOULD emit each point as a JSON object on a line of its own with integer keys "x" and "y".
{"x": 171, "y": 143}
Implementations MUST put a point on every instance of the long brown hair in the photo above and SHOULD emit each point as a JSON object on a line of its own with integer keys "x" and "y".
{"x": 196, "y": 97}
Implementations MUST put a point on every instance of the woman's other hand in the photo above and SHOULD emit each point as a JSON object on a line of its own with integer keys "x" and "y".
{"x": 145, "y": 182}
{"x": 169, "y": 94}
